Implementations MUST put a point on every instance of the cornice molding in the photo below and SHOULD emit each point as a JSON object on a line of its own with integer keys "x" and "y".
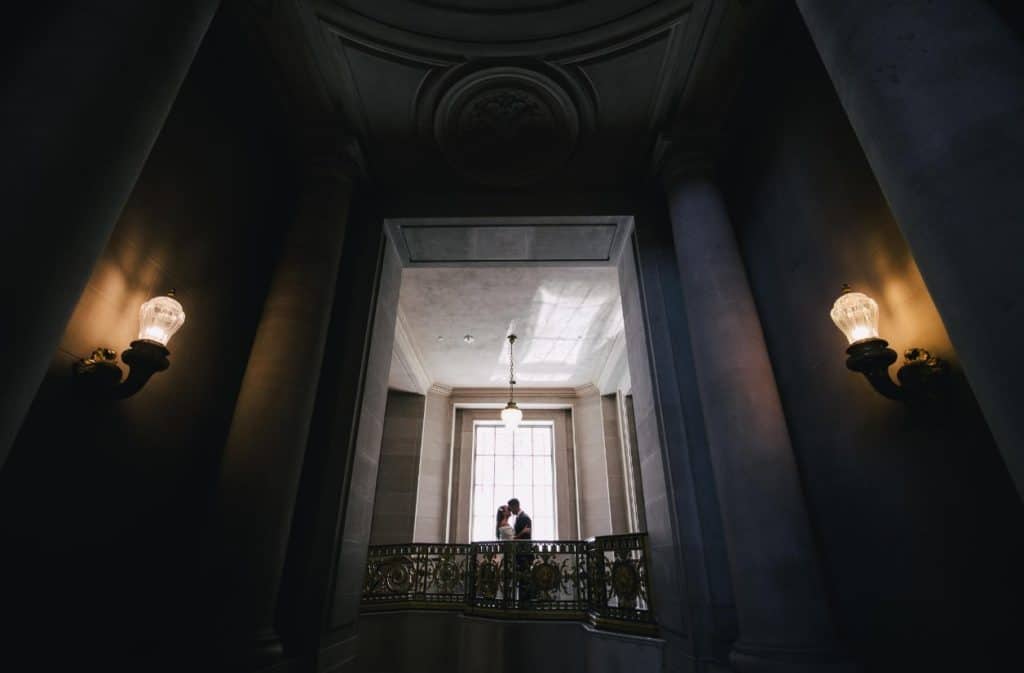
{"x": 615, "y": 370}
{"x": 407, "y": 353}
{"x": 521, "y": 393}
{"x": 617, "y": 31}
{"x": 626, "y": 384}
{"x": 586, "y": 390}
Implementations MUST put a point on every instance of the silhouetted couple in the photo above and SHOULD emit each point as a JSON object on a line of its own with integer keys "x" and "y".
{"x": 523, "y": 524}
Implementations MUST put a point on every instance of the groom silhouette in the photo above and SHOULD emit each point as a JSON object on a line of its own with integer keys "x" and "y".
{"x": 523, "y": 523}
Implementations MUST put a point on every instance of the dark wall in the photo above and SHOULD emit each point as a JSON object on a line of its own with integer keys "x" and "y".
{"x": 920, "y": 531}
{"x": 103, "y": 504}
{"x": 1012, "y": 11}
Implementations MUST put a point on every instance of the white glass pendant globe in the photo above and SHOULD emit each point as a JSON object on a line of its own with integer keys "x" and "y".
{"x": 856, "y": 316}
{"x": 511, "y": 415}
{"x": 160, "y": 318}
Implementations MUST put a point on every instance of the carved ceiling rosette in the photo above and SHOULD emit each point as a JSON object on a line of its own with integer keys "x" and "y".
{"x": 506, "y": 125}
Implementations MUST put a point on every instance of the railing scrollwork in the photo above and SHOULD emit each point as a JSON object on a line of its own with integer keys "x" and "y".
{"x": 603, "y": 579}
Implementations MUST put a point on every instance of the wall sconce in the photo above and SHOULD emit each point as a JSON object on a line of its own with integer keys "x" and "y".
{"x": 159, "y": 319}
{"x": 856, "y": 316}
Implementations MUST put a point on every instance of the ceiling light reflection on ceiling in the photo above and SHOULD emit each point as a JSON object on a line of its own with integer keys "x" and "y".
{"x": 544, "y": 378}
{"x": 565, "y": 320}
{"x": 571, "y": 322}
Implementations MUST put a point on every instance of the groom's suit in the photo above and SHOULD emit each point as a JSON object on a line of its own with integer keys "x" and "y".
{"x": 523, "y": 521}
{"x": 524, "y": 559}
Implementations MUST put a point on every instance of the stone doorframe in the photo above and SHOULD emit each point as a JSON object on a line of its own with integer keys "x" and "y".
{"x": 685, "y": 539}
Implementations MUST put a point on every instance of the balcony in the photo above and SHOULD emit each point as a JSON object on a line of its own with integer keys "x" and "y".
{"x": 603, "y": 581}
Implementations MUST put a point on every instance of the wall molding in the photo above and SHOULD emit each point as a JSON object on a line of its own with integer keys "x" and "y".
{"x": 439, "y": 36}
{"x": 408, "y": 354}
{"x": 521, "y": 393}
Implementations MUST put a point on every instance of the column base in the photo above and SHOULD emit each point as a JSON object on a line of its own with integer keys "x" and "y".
{"x": 749, "y": 658}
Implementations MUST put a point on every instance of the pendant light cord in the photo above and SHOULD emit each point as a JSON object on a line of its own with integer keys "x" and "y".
{"x": 511, "y": 369}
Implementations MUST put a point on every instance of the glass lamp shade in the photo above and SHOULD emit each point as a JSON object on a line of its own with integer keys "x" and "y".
{"x": 511, "y": 415}
{"x": 856, "y": 316}
{"x": 159, "y": 319}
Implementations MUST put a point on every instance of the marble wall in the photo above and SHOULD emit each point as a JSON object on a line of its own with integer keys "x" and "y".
{"x": 394, "y": 509}
{"x": 688, "y": 560}
{"x": 592, "y": 464}
{"x": 618, "y": 498}
{"x": 434, "y": 467}
{"x": 358, "y": 513}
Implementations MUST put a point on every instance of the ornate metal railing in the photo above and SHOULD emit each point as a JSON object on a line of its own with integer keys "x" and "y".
{"x": 603, "y": 579}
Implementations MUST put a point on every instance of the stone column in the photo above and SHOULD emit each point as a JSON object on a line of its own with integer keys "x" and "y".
{"x": 82, "y": 108}
{"x": 267, "y": 442}
{"x": 935, "y": 94}
{"x": 692, "y": 591}
{"x": 326, "y": 566}
{"x": 784, "y": 621}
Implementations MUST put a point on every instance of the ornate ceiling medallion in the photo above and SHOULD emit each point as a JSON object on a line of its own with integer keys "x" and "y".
{"x": 506, "y": 125}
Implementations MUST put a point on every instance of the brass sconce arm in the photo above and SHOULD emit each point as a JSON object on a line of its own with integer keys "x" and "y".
{"x": 919, "y": 378}
{"x": 100, "y": 374}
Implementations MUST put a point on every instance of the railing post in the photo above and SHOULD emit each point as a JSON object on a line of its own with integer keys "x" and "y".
{"x": 582, "y": 576}
{"x": 471, "y": 576}
{"x": 647, "y": 578}
{"x": 508, "y": 559}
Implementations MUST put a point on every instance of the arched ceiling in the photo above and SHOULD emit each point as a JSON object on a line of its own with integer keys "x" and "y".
{"x": 508, "y": 93}
{"x": 501, "y": 28}
{"x": 502, "y": 93}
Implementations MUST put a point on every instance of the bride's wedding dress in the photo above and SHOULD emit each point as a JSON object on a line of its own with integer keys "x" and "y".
{"x": 506, "y": 532}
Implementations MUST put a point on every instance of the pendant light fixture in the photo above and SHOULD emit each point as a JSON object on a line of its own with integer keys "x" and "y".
{"x": 511, "y": 415}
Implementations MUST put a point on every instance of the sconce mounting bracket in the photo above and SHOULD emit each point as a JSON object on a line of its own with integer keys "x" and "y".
{"x": 99, "y": 374}
{"x": 920, "y": 377}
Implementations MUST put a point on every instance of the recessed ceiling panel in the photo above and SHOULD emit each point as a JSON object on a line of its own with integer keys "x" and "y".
{"x": 572, "y": 241}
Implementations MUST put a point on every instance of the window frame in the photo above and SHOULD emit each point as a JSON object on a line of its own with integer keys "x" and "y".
{"x": 546, "y": 424}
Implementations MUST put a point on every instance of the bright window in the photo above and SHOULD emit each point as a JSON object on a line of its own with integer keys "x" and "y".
{"x": 513, "y": 464}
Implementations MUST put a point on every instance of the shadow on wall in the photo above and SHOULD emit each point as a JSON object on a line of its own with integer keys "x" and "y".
{"x": 917, "y": 521}
{"x": 102, "y": 504}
